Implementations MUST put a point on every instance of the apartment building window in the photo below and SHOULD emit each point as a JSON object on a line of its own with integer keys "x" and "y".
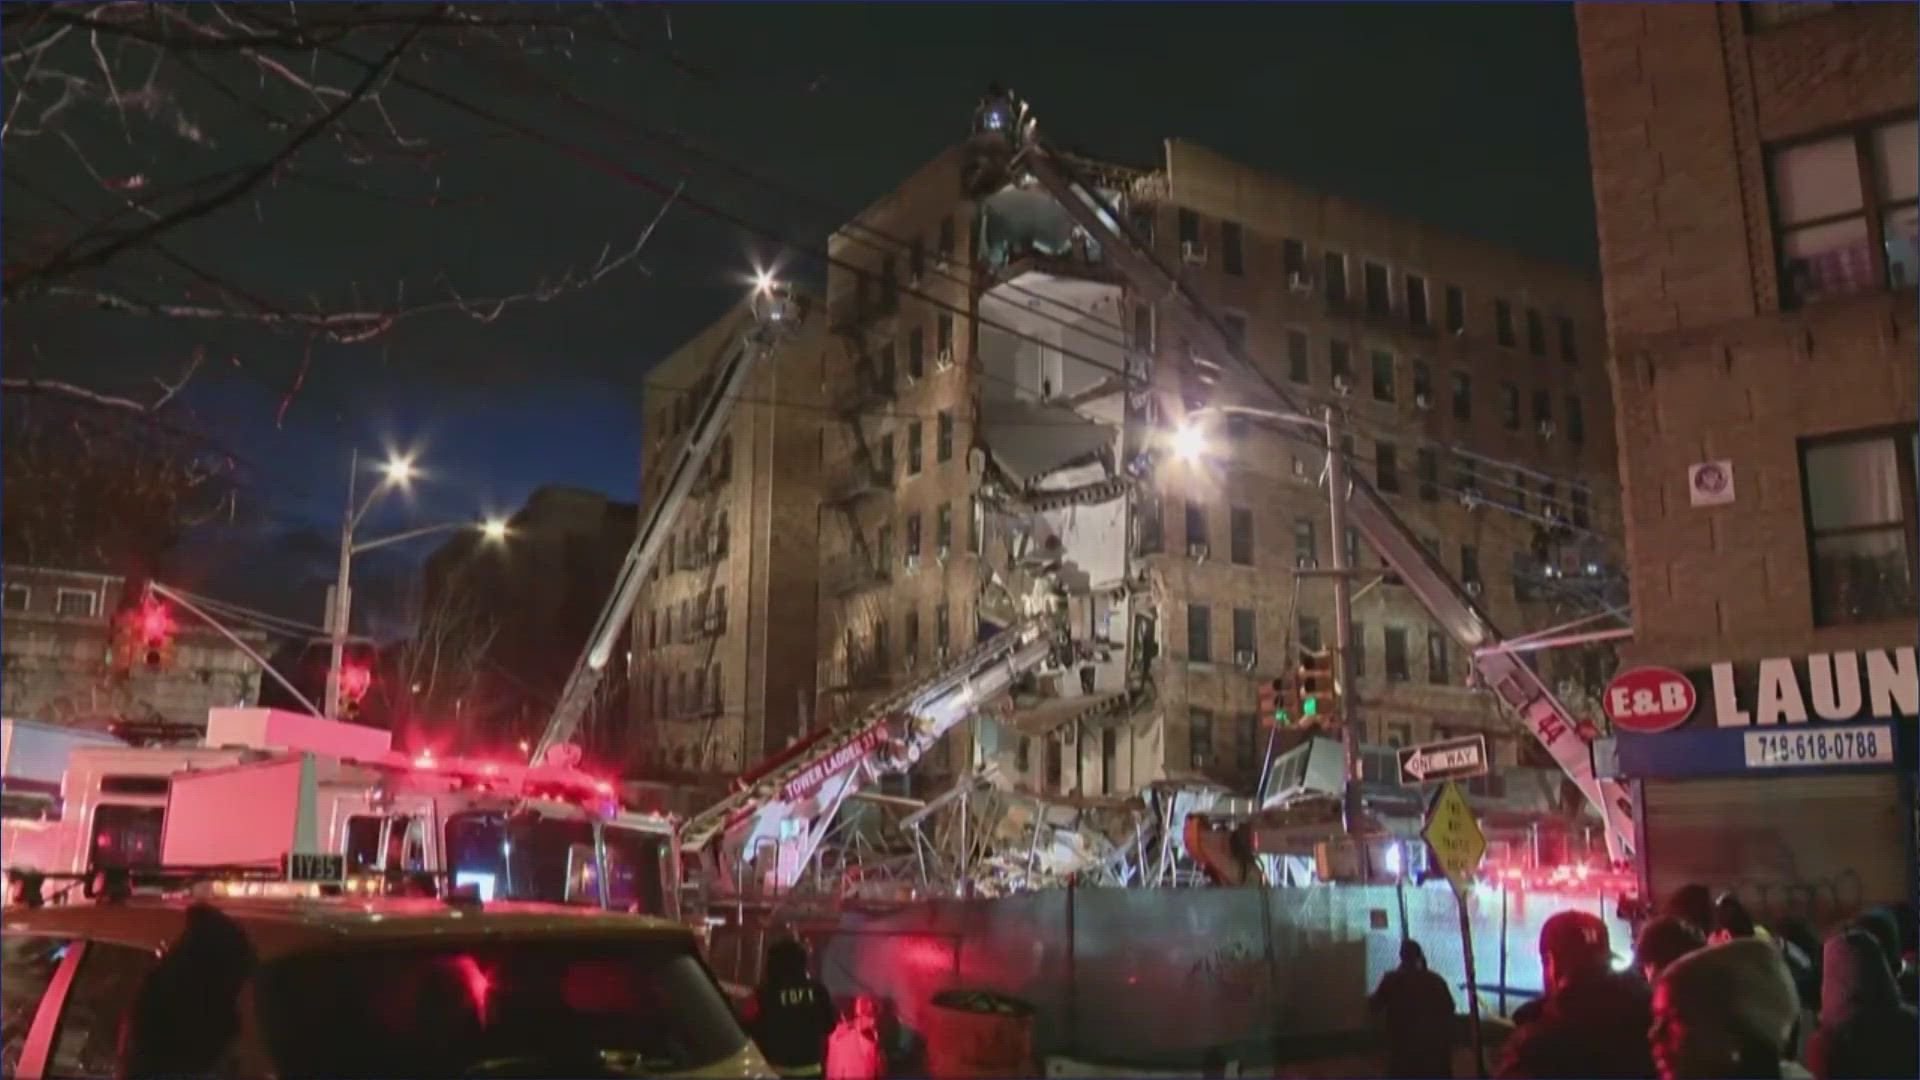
{"x": 1536, "y": 333}
{"x": 1152, "y": 526}
{"x": 1859, "y": 497}
{"x": 889, "y": 283}
{"x": 917, "y": 353}
{"x": 915, "y": 437}
{"x": 1232, "y": 258}
{"x": 1299, "y": 367}
{"x": 943, "y": 337}
{"x": 942, "y": 628}
{"x": 1466, "y": 478}
{"x": 1307, "y": 629}
{"x": 883, "y": 457}
{"x": 913, "y": 536}
{"x": 1415, "y": 287}
{"x": 1462, "y": 396}
{"x": 1350, "y": 544}
{"x": 1243, "y": 633}
{"x": 1542, "y": 408}
{"x": 973, "y": 527}
{"x": 1503, "y": 322}
{"x": 1456, "y": 309}
{"x": 1140, "y": 220}
{"x": 1845, "y": 214}
{"x": 697, "y": 699}
{"x": 1109, "y": 759}
{"x": 1386, "y": 467}
{"x": 1056, "y": 763}
{"x": 1199, "y": 634}
{"x": 1235, "y": 328}
{"x": 883, "y": 547}
{"x": 76, "y": 603}
{"x": 1569, "y": 346}
{"x": 1196, "y": 516}
{"x": 1340, "y": 362}
{"x": 18, "y": 597}
{"x": 1023, "y": 754}
{"x": 944, "y": 246}
{"x": 1470, "y": 566}
{"x": 1398, "y": 669}
{"x": 943, "y": 530}
{"x": 889, "y": 373}
{"x": 910, "y": 639}
{"x": 1357, "y": 654}
{"x": 1510, "y": 406}
{"x": 1437, "y": 673}
{"x": 1334, "y": 268}
{"x": 916, "y": 259}
{"x": 1200, "y": 738}
{"x": 1304, "y": 554}
{"x": 1578, "y": 507}
{"x": 1373, "y": 278}
{"x": 1519, "y": 490}
{"x": 1293, "y": 259}
{"x": 717, "y": 613}
{"x": 1143, "y": 328}
{"x": 943, "y": 436}
{"x": 1422, "y": 384}
{"x": 1549, "y": 498}
{"x": 1240, "y": 536}
{"x": 1426, "y": 464}
{"x": 1382, "y": 375}
{"x": 1188, "y": 223}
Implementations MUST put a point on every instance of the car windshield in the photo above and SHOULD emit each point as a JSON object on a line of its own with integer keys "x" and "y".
{"x": 584, "y": 1008}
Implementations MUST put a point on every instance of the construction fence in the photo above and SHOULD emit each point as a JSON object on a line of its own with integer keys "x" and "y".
{"x": 1175, "y": 979}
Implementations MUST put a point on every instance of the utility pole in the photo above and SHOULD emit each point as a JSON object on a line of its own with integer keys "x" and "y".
{"x": 337, "y": 618}
{"x": 1343, "y": 623}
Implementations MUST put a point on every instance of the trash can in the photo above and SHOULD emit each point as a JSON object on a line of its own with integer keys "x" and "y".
{"x": 979, "y": 1033}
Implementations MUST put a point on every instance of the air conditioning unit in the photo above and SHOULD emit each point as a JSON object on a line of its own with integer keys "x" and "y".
{"x": 1198, "y": 550}
{"x": 1246, "y": 658}
{"x": 913, "y": 280}
{"x": 1422, "y": 400}
{"x": 1300, "y": 282}
{"x": 911, "y": 562}
{"x": 1546, "y": 429}
{"x": 1193, "y": 253}
{"x": 944, "y": 358}
{"x": 1473, "y": 588}
{"x": 1342, "y": 385}
{"x": 1306, "y": 562}
{"x": 1470, "y": 498}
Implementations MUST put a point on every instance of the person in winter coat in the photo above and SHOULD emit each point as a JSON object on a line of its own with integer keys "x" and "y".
{"x": 1692, "y": 904}
{"x": 1416, "y": 1009}
{"x": 853, "y": 1051}
{"x": 1663, "y": 941}
{"x": 1593, "y": 1021}
{"x": 793, "y": 1014}
{"x": 185, "y": 1017}
{"x": 1725, "y": 1012}
{"x": 1865, "y": 1031}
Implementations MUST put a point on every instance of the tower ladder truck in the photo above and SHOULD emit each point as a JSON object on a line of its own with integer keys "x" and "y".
{"x": 1006, "y": 137}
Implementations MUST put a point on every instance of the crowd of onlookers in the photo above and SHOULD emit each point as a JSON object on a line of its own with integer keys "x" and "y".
{"x": 1711, "y": 995}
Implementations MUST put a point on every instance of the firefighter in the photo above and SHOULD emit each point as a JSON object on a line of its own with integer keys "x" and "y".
{"x": 793, "y": 1015}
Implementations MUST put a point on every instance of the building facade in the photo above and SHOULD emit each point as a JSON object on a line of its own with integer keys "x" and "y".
{"x": 500, "y": 625}
{"x": 1756, "y": 180}
{"x": 995, "y": 381}
{"x": 57, "y": 633}
{"x": 724, "y": 630}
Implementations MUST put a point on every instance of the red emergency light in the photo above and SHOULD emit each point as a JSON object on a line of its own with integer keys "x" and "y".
{"x": 355, "y": 681}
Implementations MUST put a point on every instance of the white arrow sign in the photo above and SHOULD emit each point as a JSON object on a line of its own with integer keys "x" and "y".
{"x": 1451, "y": 759}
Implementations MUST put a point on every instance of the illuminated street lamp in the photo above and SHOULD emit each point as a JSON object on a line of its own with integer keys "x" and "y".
{"x": 397, "y": 474}
{"x": 1189, "y": 443}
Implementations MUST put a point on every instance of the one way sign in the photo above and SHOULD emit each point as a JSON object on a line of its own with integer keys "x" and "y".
{"x": 1448, "y": 759}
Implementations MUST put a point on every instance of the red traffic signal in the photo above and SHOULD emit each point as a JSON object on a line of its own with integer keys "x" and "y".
{"x": 147, "y": 632}
{"x": 355, "y": 681}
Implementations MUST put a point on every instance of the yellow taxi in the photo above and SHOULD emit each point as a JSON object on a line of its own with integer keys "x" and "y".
{"x": 378, "y": 987}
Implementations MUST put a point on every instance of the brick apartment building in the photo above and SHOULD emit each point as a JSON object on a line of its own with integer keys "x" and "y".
{"x": 983, "y": 396}
{"x": 724, "y": 631}
{"x": 57, "y": 630}
{"x": 1755, "y": 174}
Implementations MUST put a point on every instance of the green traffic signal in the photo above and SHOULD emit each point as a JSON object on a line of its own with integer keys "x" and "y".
{"x": 1310, "y": 706}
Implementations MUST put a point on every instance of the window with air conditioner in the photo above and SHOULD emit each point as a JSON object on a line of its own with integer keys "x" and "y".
{"x": 1240, "y": 538}
{"x": 1858, "y": 493}
{"x": 1543, "y": 410}
{"x": 1243, "y": 634}
{"x": 1340, "y": 363}
{"x": 944, "y": 246}
{"x": 943, "y": 530}
{"x": 943, "y": 338}
{"x": 1304, "y": 554}
{"x": 1845, "y": 211}
{"x": 1299, "y": 366}
{"x": 1293, "y": 259}
{"x": 1196, "y": 522}
{"x": 1470, "y": 567}
{"x": 1199, "y": 634}
{"x": 1189, "y": 225}
{"x": 1200, "y": 738}
{"x": 913, "y": 536}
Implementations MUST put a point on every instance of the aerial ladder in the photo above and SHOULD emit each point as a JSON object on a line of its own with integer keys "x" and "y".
{"x": 773, "y": 309}
{"x": 780, "y": 812}
{"x": 1006, "y": 137}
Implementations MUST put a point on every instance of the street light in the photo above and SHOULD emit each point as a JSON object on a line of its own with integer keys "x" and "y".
{"x": 1189, "y": 443}
{"x": 397, "y": 473}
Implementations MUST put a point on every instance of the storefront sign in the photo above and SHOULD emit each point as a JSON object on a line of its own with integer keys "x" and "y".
{"x": 1700, "y": 752}
{"x": 848, "y": 754}
{"x": 1649, "y": 700}
{"x": 1873, "y": 684}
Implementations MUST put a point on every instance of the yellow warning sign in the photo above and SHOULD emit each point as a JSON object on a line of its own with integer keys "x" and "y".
{"x": 1454, "y": 836}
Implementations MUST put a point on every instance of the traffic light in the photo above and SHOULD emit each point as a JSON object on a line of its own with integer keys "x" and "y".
{"x": 144, "y": 636}
{"x": 355, "y": 680}
{"x": 1317, "y": 689}
{"x": 1279, "y": 703}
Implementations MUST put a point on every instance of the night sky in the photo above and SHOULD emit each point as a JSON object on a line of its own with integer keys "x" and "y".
{"x": 1467, "y": 116}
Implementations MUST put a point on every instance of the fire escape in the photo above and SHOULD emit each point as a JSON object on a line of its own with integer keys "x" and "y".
{"x": 866, "y": 391}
